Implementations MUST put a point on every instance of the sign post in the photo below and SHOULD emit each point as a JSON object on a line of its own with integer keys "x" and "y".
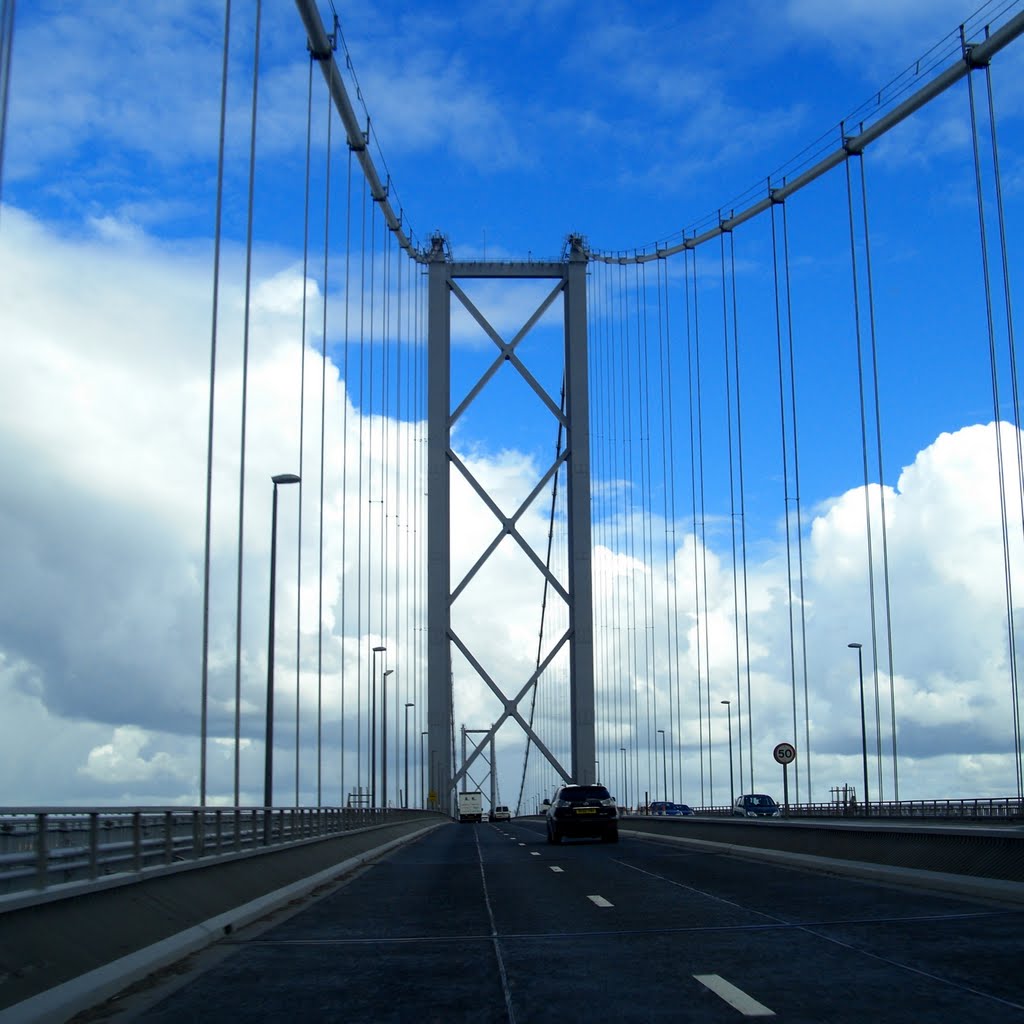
{"x": 785, "y": 753}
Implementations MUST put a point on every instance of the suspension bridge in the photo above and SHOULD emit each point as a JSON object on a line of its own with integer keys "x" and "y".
{"x": 711, "y": 356}
{"x": 512, "y": 522}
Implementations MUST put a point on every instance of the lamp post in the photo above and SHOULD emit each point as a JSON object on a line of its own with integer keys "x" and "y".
{"x": 423, "y": 792}
{"x": 373, "y": 725}
{"x": 664, "y": 766}
{"x": 384, "y": 737}
{"x": 268, "y": 758}
{"x": 863, "y": 726}
{"x": 405, "y": 802}
{"x": 625, "y": 776}
{"x": 732, "y": 791}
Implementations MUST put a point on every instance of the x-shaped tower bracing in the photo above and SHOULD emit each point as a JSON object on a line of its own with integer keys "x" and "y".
{"x": 570, "y": 285}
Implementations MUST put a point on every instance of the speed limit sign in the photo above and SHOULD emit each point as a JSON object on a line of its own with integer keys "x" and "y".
{"x": 785, "y": 753}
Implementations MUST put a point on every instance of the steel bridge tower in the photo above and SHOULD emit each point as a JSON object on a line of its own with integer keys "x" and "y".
{"x": 569, "y": 279}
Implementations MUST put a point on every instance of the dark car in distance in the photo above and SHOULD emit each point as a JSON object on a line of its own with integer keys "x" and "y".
{"x": 581, "y": 811}
{"x": 670, "y": 808}
{"x": 756, "y": 805}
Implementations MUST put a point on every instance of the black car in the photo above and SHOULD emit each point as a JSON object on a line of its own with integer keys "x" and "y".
{"x": 582, "y": 811}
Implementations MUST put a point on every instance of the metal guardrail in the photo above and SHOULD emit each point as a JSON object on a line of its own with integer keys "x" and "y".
{"x": 970, "y": 809}
{"x": 46, "y": 847}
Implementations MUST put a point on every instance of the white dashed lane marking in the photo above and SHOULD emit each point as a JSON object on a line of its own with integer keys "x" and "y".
{"x": 600, "y": 901}
{"x": 735, "y": 997}
{"x": 557, "y": 870}
{"x": 534, "y": 853}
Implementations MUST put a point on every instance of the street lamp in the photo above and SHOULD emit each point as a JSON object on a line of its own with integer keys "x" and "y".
{"x": 268, "y": 759}
{"x": 664, "y": 766}
{"x": 405, "y": 802}
{"x": 625, "y": 776}
{"x": 384, "y": 737}
{"x": 732, "y": 791}
{"x": 373, "y": 725}
{"x": 863, "y": 727}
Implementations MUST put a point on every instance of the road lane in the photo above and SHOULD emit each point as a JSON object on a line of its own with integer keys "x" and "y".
{"x": 491, "y": 923}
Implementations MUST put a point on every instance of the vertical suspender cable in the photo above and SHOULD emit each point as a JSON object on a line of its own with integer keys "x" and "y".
{"x": 864, "y": 442}
{"x": 676, "y": 654}
{"x": 607, "y": 527}
{"x": 1012, "y": 644}
{"x": 347, "y": 404}
{"x": 302, "y": 418}
{"x": 651, "y": 645}
{"x": 382, "y": 542}
{"x": 400, "y": 623}
{"x": 671, "y": 626}
{"x": 743, "y": 511}
{"x": 596, "y": 434}
{"x": 594, "y": 326}
{"x": 618, "y": 451}
{"x": 1014, "y": 383}
{"x": 204, "y": 713}
{"x": 644, "y": 454}
{"x": 611, "y": 677}
{"x": 694, "y": 406}
{"x": 881, "y": 485}
{"x": 632, "y": 672}
{"x": 323, "y": 446}
{"x": 245, "y": 388}
{"x": 366, "y": 509}
{"x": 385, "y": 365}
{"x": 785, "y": 477}
{"x": 359, "y": 502}
{"x": 732, "y": 493}
{"x": 6, "y": 49}
{"x": 699, "y": 381}
{"x": 796, "y": 502}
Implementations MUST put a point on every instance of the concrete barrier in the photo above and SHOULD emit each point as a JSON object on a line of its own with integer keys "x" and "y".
{"x": 59, "y": 958}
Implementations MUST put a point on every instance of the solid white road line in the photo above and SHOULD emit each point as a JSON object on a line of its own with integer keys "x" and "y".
{"x": 735, "y": 997}
{"x": 599, "y": 901}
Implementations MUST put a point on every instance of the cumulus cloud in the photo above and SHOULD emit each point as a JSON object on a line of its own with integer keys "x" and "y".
{"x": 103, "y": 414}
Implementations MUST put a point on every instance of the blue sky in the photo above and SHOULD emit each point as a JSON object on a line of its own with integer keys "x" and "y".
{"x": 506, "y": 127}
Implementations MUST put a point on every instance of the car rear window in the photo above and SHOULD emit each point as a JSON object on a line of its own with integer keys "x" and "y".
{"x": 580, "y": 793}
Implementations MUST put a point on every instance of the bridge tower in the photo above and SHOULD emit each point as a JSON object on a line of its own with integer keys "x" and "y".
{"x": 569, "y": 278}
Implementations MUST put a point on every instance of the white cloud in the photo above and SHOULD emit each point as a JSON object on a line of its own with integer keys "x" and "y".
{"x": 123, "y": 760}
{"x": 103, "y": 418}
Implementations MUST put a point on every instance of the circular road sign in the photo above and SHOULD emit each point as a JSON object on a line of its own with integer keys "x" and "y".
{"x": 784, "y": 753}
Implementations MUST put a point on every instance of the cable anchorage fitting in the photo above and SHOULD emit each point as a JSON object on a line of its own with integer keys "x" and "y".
{"x": 332, "y": 45}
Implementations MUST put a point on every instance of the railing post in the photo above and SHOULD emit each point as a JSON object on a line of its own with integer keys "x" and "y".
{"x": 197, "y": 834}
{"x": 94, "y": 844}
{"x": 137, "y": 839}
{"x": 169, "y": 837}
{"x": 42, "y": 851}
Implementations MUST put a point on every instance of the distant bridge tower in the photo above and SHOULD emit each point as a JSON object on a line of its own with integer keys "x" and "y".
{"x": 570, "y": 282}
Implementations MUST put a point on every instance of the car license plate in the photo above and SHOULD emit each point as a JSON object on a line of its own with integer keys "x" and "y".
{"x": 586, "y": 810}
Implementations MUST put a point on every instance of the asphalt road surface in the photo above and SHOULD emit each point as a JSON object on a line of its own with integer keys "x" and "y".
{"x": 490, "y": 923}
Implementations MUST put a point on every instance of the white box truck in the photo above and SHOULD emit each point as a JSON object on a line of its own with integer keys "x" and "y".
{"x": 471, "y": 806}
